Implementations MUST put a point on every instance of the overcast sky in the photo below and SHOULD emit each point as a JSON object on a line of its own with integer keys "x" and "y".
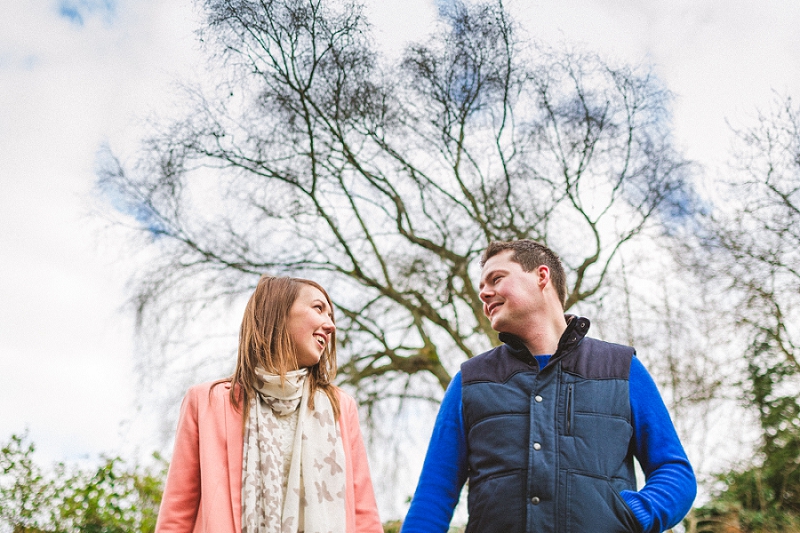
{"x": 75, "y": 74}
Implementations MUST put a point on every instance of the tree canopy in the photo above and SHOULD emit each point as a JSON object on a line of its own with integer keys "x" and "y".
{"x": 315, "y": 155}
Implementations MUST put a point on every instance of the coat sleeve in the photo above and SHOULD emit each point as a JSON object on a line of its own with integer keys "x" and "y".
{"x": 367, "y": 519}
{"x": 181, "y": 498}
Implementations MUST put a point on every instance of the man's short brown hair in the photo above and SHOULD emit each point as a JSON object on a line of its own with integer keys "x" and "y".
{"x": 531, "y": 255}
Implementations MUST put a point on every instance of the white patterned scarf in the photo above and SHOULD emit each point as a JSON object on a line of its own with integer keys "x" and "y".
{"x": 314, "y": 497}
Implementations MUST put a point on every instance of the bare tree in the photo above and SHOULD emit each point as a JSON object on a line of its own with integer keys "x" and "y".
{"x": 315, "y": 156}
{"x": 748, "y": 248}
{"x": 751, "y": 241}
{"x": 686, "y": 339}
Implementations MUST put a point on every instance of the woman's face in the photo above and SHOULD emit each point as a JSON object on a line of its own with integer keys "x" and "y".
{"x": 310, "y": 325}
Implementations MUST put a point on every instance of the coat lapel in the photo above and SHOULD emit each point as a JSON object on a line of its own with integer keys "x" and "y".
{"x": 234, "y": 442}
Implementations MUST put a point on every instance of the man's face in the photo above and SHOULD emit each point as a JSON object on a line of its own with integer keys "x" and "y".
{"x": 511, "y": 297}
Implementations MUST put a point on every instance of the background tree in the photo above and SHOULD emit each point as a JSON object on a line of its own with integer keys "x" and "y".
{"x": 316, "y": 157}
{"x": 111, "y": 498}
{"x": 24, "y": 490}
{"x": 750, "y": 248}
{"x": 752, "y": 239}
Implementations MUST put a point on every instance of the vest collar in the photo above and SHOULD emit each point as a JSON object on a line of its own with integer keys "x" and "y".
{"x": 577, "y": 327}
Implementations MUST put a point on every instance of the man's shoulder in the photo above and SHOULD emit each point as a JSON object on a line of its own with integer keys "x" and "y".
{"x": 612, "y": 349}
{"x": 496, "y": 365}
{"x": 607, "y": 345}
{"x": 597, "y": 359}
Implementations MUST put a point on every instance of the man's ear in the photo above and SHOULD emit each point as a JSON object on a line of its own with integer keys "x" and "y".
{"x": 543, "y": 275}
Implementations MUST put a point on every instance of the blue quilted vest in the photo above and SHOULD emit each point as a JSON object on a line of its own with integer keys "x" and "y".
{"x": 550, "y": 450}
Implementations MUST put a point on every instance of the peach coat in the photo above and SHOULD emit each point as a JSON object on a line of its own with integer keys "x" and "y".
{"x": 203, "y": 490}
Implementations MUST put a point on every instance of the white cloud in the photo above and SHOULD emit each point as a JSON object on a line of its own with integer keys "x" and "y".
{"x": 720, "y": 59}
{"x": 65, "y": 347}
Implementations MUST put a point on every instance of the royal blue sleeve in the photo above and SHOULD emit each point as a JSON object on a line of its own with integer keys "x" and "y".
{"x": 444, "y": 470}
{"x": 670, "y": 485}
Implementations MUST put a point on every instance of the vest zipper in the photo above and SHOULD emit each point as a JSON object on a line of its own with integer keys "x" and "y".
{"x": 569, "y": 409}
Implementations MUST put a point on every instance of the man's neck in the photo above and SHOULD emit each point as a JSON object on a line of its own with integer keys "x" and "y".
{"x": 544, "y": 334}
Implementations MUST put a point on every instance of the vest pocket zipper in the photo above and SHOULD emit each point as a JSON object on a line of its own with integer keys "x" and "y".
{"x": 569, "y": 409}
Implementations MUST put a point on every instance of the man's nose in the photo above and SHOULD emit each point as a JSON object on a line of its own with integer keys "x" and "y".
{"x": 485, "y": 293}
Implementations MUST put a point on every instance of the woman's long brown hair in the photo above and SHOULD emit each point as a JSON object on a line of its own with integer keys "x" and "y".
{"x": 264, "y": 341}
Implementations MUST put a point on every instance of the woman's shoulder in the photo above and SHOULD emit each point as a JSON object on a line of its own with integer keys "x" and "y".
{"x": 348, "y": 408}
{"x": 219, "y": 388}
{"x": 345, "y": 397}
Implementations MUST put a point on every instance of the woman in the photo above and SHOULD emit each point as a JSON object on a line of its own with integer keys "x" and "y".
{"x": 276, "y": 447}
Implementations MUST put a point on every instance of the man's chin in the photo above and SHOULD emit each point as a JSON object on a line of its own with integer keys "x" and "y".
{"x": 499, "y": 326}
{"x": 504, "y": 327}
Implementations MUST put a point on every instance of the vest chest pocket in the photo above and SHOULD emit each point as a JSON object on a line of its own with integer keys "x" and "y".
{"x": 594, "y": 425}
{"x": 594, "y": 397}
{"x": 570, "y": 410}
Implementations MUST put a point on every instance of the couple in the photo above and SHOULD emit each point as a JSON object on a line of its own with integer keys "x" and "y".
{"x": 544, "y": 427}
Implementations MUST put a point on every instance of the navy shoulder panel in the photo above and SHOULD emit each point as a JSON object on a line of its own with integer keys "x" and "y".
{"x": 595, "y": 359}
{"x": 496, "y": 365}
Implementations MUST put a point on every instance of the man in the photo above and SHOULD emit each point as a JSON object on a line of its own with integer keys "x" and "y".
{"x": 545, "y": 427}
